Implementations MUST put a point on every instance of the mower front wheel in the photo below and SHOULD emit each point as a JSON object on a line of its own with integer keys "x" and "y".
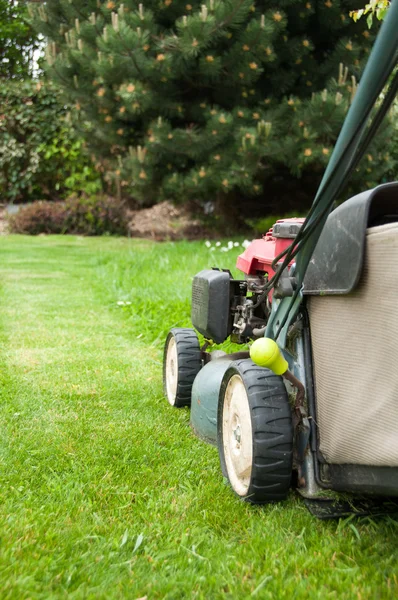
{"x": 182, "y": 361}
{"x": 255, "y": 433}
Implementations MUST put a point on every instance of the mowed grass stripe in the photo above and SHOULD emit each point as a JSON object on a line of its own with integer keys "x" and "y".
{"x": 104, "y": 491}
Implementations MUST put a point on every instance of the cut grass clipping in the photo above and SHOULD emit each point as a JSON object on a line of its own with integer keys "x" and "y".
{"x": 105, "y": 492}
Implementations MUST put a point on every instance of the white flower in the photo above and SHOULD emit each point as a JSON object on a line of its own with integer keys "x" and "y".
{"x": 207, "y": 244}
{"x": 218, "y": 244}
{"x": 224, "y": 249}
{"x": 212, "y": 249}
{"x": 245, "y": 244}
{"x": 236, "y": 244}
{"x": 230, "y": 245}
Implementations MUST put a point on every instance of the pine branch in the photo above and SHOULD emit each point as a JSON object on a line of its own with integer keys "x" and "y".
{"x": 131, "y": 55}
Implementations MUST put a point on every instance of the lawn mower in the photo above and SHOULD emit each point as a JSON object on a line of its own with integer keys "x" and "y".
{"x": 311, "y": 400}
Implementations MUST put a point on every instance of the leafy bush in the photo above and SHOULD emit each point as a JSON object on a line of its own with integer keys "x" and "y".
{"x": 41, "y": 156}
{"x": 84, "y": 216}
{"x": 95, "y": 215}
{"x": 18, "y": 41}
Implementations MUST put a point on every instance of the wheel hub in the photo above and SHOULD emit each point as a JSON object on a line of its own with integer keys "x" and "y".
{"x": 171, "y": 371}
{"x": 237, "y": 433}
{"x": 237, "y": 436}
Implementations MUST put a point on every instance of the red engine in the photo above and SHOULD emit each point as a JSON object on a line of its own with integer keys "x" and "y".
{"x": 258, "y": 257}
{"x": 223, "y": 306}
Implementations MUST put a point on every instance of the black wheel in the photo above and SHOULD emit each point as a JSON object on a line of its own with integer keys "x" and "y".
{"x": 182, "y": 361}
{"x": 255, "y": 433}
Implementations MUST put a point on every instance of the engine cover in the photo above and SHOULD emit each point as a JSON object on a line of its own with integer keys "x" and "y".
{"x": 210, "y": 312}
{"x": 259, "y": 256}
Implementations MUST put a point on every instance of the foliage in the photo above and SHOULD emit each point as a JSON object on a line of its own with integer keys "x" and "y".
{"x": 377, "y": 8}
{"x": 105, "y": 493}
{"x": 95, "y": 215}
{"x": 65, "y": 153}
{"x": 40, "y": 153}
{"x": 209, "y": 100}
{"x": 18, "y": 41}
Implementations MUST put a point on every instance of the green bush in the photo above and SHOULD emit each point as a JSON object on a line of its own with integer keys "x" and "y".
{"x": 41, "y": 156}
{"x": 18, "y": 41}
{"x": 96, "y": 215}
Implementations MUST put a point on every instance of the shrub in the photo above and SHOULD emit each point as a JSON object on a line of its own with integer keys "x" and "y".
{"x": 38, "y": 217}
{"x": 101, "y": 215}
{"x": 95, "y": 215}
{"x": 41, "y": 155}
{"x": 18, "y": 41}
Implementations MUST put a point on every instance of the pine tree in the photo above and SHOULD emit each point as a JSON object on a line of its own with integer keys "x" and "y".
{"x": 206, "y": 101}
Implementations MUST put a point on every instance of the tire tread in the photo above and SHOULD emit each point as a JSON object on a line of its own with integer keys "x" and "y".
{"x": 189, "y": 363}
{"x": 272, "y": 431}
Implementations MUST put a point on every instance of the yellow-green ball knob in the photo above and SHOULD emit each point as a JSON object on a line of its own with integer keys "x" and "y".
{"x": 265, "y": 353}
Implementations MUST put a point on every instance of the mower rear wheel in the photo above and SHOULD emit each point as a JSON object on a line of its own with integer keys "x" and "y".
{"x": 182, "y": 361}
{"x": 255, "y": 433}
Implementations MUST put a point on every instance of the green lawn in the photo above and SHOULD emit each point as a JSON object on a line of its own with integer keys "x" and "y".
{"x": 105, "y": 492}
